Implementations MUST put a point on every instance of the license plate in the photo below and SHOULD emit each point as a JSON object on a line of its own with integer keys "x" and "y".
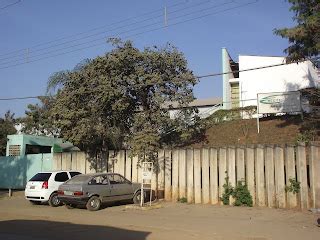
{"x": 68, "y": 193}
{"x": 32, "y": 187}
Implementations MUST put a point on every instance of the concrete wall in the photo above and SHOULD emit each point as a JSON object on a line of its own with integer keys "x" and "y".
{"x": 16, "y": 171}
{"x": 284, "y": 78}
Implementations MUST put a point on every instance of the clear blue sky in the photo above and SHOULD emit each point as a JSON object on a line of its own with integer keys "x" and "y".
{"x": 246, "y": 30}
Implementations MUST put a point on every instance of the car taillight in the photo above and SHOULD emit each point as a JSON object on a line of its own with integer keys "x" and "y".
{"x": 77, "y": 193}
{"x": 45, "y": 185}
{"x": 60, "y": 192}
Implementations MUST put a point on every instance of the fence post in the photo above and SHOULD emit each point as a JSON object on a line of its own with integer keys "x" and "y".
{"x": 260, "y": 186}
{"x": 128, "y": 165}
{"x": 182, "y": 173}
{"x": 222, "y": 169}
{"x": 302, "y": 175}
{"x": 197, "y": 175}
{"x": 231, "y": 161}
{"x": 280, "y": 178}
{"x": 167, "y": 175}
{"x": 175, "y": 175}
{"x": 250, "y": 172}
{"x": 240, "y": 164}
{"x": 134, "y": 168}
{"x": 190, "y": 185}
{"x": 214, "y": 193}
{"x": 270, "y": 176}
{"x": 161, "y": 174}
{"x": 205, "y": 176}
{"x": 290, "y": 174}
{"x": 315, "y": 174}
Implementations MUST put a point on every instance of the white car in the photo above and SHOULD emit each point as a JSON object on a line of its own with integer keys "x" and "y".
{"x": 43, "y": 186}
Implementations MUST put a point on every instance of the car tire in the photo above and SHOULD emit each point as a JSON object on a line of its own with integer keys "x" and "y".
{"x": 54, "y": 200}
{"x": 137, "y": 197}
{"x": 93, "y": 204}
{"x": 34, "y": 202}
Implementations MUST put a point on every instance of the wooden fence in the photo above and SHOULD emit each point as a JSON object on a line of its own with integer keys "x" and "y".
{"x": 199, "y": 174}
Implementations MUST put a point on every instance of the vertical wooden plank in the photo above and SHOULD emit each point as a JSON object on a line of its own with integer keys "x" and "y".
{"x": 270, "y": 185}
{"x": 90, "y": 164}
{"x": 231, "y": 161}
{"x": 214, "y": 192}
{"x": 222, "y": 169}
{"x": 74, "y": 161}
{"x": 302, "y": 175}
{"x": 135, "y": 169}
{"x": 182, "y": 174}
{"x": 315, "y": 174}
{"x": 139, "y": 168}
{"x": 290, "y": 174}
{"x": 121, "y": 157}
{"x": 190, "y": 185}
{"x": 116, "y": 162}
{"x": 175, "y": 175}
{"x": 66, "y": 161}
{"x": 260, "y": 186}
{"x": 154, "y": 182}
{"x": 167, "y": 175}
{"x": 81, "y": 161}
{"x": 205, "y": 176}
{"x": 128, "y": 168}
{"x": 161, "y": 163}
{"x": 197, "y": 175}
{"x": 250, "y": 172}
{"x": 240, "y": 164}
{"x": 111, "y": 161}
{"x": 56, "y": 161}
{"x": 280, "y": 178}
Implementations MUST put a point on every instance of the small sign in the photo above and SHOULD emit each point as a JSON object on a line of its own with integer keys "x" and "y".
{"x": 281, "y": 102}
{"x": 146, "y": 175}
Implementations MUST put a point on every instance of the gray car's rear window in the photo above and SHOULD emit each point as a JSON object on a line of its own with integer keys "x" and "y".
{"x": 78, "y": 179}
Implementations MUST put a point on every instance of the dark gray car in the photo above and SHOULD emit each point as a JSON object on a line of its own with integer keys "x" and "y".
{"x": 92, "y": 190}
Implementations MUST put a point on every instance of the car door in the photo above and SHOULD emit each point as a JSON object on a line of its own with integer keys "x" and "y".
{"x": 120, "y": 187}
{"x": 59, "y": 178}
{"x": 100, "y": 185}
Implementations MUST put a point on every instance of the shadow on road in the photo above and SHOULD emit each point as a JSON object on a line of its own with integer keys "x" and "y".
{"x": 35, "y": 229}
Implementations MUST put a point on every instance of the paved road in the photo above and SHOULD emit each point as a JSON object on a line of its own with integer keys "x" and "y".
{"x": 20, "y": 220}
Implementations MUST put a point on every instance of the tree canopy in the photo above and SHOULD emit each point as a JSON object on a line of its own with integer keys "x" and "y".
{"x": 304, "y": 38}
{"x": 6, "y": 128}
{"x": 122, "y": 99}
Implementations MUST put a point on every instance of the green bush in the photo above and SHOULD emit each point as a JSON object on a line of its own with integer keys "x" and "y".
{"x": 240, "y": 193}
{"x": 294, "y": 186}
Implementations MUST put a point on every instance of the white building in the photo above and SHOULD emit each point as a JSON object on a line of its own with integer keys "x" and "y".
{"x": 240, "y": 89}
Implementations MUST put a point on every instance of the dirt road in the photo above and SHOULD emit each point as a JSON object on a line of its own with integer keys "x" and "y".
{"x": 20, "y": 220}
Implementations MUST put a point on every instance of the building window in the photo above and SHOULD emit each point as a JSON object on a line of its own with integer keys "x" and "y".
{"x": 14, "y": 150}
{"x": 36, "y": 149}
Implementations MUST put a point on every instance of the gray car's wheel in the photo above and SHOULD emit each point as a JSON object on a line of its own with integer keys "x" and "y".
{"x": 93, "y": 204}
{"x": 54, "y": 200}
{"x": 137, "y": 197}
{"x": 35, "y": 202}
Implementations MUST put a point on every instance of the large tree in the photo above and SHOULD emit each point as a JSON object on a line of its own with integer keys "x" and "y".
{"x": 304, "y": 38}
{"x": 6, "y": 128}
{"x": 123, "y": 98}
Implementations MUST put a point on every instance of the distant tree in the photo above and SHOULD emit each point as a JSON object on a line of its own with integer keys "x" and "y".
{"x": 304, "y": 38}
{"x": 6, "y": 128}
{"x": 121, "y": 99}
{"x": 38, "y": 119}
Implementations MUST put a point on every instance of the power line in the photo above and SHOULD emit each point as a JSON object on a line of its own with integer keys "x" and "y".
{"x": 10, "y": 5}
{"x": 21, "y": 57}
{"x": 198, "y": 77}
{"x": 99, "y": 33}
{"x": 136, "y": 34}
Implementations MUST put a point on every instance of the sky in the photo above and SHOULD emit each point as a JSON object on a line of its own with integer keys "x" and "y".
{"x": 40, "y": 37}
